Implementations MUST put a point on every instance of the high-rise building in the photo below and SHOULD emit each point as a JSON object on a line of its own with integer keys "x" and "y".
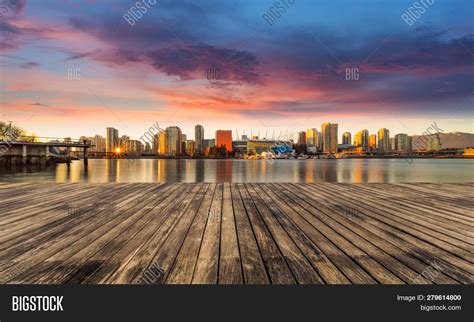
{"x": 329, "y": 140}
{"x": 190, "y": 147}
{"x": 156, "y": 144}
{"x": 312, "y": 140}
{"x": 147, "y": 148}
{"x": 162, "y": 144}
{"x": 112, "y": 140}
{"x": 361, "y": 139}
{"x": 301, "y": 137}
{"x": 134, "y": 147}
{"x": 100, "y": 143}
{"x": 312, "y": 137}
{"x": 373, "y": 142}
{"x": 173, "y": 141}
{"x": 346, "y": 138}
{"x": 199, "y": 138}
{"x": 401, "y": 143}
{"x": 124, "y": 143}
{"x": 383, "y": 141}
{"x": 224, "y": 138}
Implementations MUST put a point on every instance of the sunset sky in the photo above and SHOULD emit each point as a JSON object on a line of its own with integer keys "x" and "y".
{"x": 287, "y": 76}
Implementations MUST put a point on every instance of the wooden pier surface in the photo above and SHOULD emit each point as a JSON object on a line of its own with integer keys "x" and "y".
{"x": 236, "y": 233}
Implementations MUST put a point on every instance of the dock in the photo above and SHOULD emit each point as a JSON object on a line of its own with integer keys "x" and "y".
{"x": 236, "y": 233}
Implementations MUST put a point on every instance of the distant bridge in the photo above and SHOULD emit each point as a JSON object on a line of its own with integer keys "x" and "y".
{"x": 36, "y": 151}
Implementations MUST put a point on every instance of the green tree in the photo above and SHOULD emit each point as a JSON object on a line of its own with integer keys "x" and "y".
{"x": 12, "y": 132}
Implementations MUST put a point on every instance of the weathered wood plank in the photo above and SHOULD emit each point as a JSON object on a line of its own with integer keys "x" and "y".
{"x": 230, "y": 264}
{"x": 229, "y": 233}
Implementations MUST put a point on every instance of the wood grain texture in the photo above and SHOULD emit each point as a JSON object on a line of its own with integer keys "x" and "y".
{"x": 236, "y": 233}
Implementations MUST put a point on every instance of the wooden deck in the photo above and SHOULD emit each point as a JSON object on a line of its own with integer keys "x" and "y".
{"x": 253, "y": 233}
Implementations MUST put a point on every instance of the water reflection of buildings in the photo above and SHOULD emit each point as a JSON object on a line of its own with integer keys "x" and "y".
{"x": 175, "y": 170}
{"x": 224, "y": 171}
{"x": 170, "y": 170}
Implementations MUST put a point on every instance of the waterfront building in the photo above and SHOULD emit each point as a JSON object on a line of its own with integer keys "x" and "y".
{"x": 329, "y": 137}
{"x": 373, "y": 142}
{"x": 100, "y": 143}
{"x": 112, "y": 139}
{"x": 392, "y": 144}
{"x": 383, "y": 141}
{"x": 199, "y": 138}
{"x": 224, "y": 138}
{"x": 301, "y": 137}
{"x": 361, "y": 139}
{"x": 123, "y": 143}
{"x": 162, "y": 143}
{"x": 401, "y": 143}
{"x": 312, "y": 140}
{"x": 147, "y": 148}
{"x": 346, "y": 138}
{"x": 184, "y": 138}
{"x": 173, "y": 141}
{"x": 133, "y": 147}
{"x": 239, "y": 146}
{"x": 190, "y": 147}
{"x": 156, "y": 143}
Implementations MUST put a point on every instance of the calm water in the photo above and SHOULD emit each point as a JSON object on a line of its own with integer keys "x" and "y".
{"x": 349, "y": 170}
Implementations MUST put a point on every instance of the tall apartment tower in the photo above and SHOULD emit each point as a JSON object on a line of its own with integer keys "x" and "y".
{"x": 402, "y": 143}
{"x": 312, "y": 140}
{"x": 361, "y": 139}
{"x": 174, "y": 140}
{"x": 199, "y": 138}
{"x": 162, "y": 144}
{"x": 384, "y": 141}
{"x": 301, "y": 137}
{"x": 111, "y": 140}
{"x": 372, "y": 141}
{"x": 346, "y": 138}
{"x": 329, "y": 133}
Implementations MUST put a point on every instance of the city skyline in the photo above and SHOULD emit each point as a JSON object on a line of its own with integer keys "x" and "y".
{"x": 172, "y": 141}
{"x": 85, "y": 69}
